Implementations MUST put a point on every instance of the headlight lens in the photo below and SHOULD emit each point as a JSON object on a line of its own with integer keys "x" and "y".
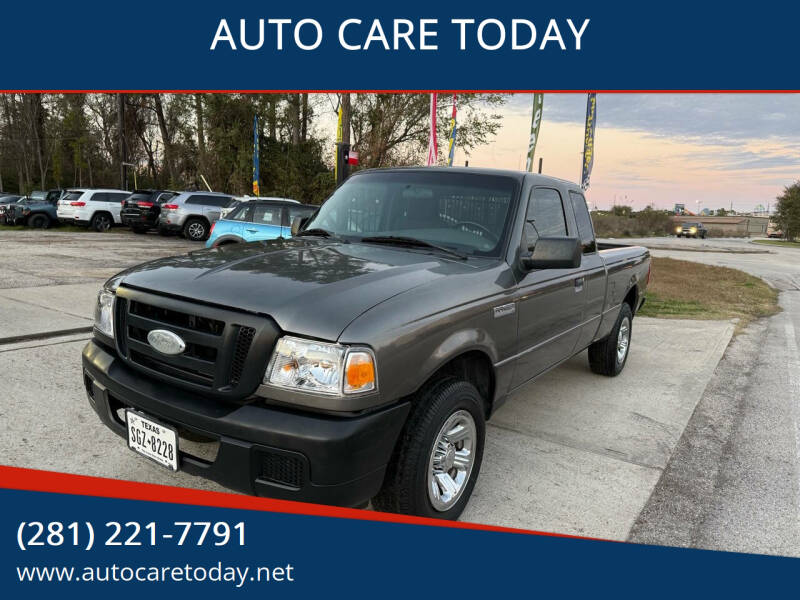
{"x": 678, "y": 229}
{"x": 693, "y": 230}
{"x": 320, "y": 367}
{"x": 104, "y": 313}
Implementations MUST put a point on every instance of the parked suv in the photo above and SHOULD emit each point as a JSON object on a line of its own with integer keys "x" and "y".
{"x": 37, "y": 213}
{"x": 258, "y": 220}
{"x": 192, "y": 214}
{"x": 140, "y": 210}
{"x": 98, "y": 209}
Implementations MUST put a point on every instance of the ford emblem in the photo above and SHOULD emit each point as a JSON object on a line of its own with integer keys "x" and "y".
{"x": 166, "y": 342}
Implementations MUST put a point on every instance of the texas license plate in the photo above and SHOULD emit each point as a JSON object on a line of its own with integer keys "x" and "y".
{"x": 154, "y": 440}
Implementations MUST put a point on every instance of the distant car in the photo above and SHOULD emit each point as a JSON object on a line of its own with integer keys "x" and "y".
{"x": 775, "y": 234}
{"x": 192, "y": 214}
{"x": 98, "y": 209}
{"x": 694, "y": 230}
{"x": 258, "y": 220}
{"x": 238, "y": 200}
{"x": 140, "y": 210}
{"x": 37, "y": 213}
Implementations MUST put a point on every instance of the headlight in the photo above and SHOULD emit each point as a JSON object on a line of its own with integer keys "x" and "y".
{"x": 104, "y": 313}
{"x": 319, "y": 367}
{"x": 678, "y": 229}
{"x": 693, "y": 230}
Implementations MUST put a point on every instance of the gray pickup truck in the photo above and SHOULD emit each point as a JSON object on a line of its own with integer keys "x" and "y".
{"x": 361, "y": 358}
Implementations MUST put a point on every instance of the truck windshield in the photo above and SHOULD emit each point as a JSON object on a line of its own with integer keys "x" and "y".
{"x": 461, "y": 211}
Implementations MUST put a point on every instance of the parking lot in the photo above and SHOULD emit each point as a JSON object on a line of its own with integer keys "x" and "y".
{"x": 573, "y": 453}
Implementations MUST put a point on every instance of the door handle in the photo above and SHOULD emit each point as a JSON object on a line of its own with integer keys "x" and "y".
{"x": 579, "y": 285}
{"x": 251, "y": 230}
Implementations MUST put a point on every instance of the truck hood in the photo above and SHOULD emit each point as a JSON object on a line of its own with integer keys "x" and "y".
{"x": 309, "y": 287}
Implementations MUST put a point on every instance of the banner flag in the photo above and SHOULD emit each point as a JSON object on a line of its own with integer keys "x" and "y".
{"x": 338, "y": 141}
{"x": 588, "y": 141}
{"x": 433, "y": 149}
{"x": 536, "y": 120}
{"x": 452, "y": 151}
{"x": 256, "y": 190}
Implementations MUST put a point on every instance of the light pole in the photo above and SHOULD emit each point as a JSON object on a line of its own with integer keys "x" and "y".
{"x": 132, "y": 166}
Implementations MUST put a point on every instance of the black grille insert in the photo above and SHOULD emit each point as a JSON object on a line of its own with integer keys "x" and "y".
{"x": 178, "y": 319}
{"x": 243, "y": 341}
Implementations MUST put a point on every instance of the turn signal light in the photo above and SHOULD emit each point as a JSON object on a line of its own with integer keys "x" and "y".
{"x": 359, "y": 373}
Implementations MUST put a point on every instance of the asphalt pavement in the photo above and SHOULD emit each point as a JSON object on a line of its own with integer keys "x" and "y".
{"x": 734, "y": 480}
{"x": 572, "y": 453}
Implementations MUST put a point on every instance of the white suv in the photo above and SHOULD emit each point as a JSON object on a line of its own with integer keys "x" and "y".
{"x": 98, "y": 209}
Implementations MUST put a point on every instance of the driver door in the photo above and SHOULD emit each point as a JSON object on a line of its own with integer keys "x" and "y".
{"x": 550, "y": 301}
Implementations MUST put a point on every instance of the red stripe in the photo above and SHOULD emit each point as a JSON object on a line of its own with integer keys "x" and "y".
{"x": 16, "y": 478}
{"x": 387, "y": 91}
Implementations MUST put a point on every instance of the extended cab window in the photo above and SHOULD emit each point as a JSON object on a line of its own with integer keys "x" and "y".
{"x": 545, "y": 217}
{"x": 584, "y": 221}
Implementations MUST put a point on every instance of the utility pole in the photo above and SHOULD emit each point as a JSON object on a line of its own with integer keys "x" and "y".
{"x": 123, "y": 169}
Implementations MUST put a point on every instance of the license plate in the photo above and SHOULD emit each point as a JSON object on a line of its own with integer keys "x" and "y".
{"x": 154, "y": 440}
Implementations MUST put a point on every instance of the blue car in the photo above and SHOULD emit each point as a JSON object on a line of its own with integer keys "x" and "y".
{"x": 257, "y": 220}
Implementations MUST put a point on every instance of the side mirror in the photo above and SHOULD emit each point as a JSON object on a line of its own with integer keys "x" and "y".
{"x": 297, "y": 224}
{"x": 554, "y": 253}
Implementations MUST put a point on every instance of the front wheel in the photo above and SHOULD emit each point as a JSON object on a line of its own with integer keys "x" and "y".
{"x": 438, "y": 457}
{"x": 39, "y": 222}
{"x": 608, "y": 356}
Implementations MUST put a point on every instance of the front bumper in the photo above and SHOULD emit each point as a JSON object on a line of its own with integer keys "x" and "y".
{"x": 262, "y": 450}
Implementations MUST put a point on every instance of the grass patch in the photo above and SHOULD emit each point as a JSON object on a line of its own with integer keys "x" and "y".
{"x": 682, "y": 289}
{"x": 784, "y": 243}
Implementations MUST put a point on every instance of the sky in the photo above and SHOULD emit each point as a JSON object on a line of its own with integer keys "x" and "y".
{"x": 703, "y": 150}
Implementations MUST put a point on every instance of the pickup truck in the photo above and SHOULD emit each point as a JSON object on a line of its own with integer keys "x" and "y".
{"x": 361, "y": 359}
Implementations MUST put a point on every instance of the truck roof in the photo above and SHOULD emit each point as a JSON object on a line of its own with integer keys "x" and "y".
{"x": 518, "y": 175}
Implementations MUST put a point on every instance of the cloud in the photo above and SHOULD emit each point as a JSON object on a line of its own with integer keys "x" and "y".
{"x": 711, "y": 118}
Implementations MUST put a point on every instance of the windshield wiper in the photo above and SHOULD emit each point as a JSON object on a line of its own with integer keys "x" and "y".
{"x": 314, "y": 231}
{"x": 399, "y": 240}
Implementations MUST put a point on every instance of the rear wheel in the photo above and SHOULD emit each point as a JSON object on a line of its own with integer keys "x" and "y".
{"x": 39, "y": 222}
{"x": 101, "y": 222}
{"x": 196, "y": 230}
{"x": 608, "y": 356}
{"x": 437, "y": 460}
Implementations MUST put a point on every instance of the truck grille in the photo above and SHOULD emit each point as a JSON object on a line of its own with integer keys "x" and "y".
{"x": 225, "y": 353}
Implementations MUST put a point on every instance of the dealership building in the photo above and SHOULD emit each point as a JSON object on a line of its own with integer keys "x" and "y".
{"x": 734, "y": 226}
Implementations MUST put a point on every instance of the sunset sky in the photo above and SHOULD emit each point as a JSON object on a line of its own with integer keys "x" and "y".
{"x": 661, "y": 148}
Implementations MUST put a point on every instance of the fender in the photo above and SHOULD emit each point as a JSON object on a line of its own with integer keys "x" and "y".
{"x": 228, "y": 237}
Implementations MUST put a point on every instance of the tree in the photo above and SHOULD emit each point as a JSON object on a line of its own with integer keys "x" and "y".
{"x": 721, "y": 212}
{"x": 787, "y": 213}
{"x": 392, "y": 129}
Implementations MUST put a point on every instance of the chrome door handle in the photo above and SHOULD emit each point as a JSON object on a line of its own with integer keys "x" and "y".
{"x": 579, "y": 284}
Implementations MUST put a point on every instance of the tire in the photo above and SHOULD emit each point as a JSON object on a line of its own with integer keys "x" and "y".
{"x": 605, "y": 356}
{"x": 139, "y": 229}
{"x": 39, "y": 222}
{"x": 196, "y": 230}
{"x": 408, "y": 487}
{"x": 101, "y": 222}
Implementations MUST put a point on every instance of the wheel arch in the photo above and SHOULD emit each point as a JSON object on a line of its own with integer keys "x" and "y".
{"x": 473, "y": 365}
